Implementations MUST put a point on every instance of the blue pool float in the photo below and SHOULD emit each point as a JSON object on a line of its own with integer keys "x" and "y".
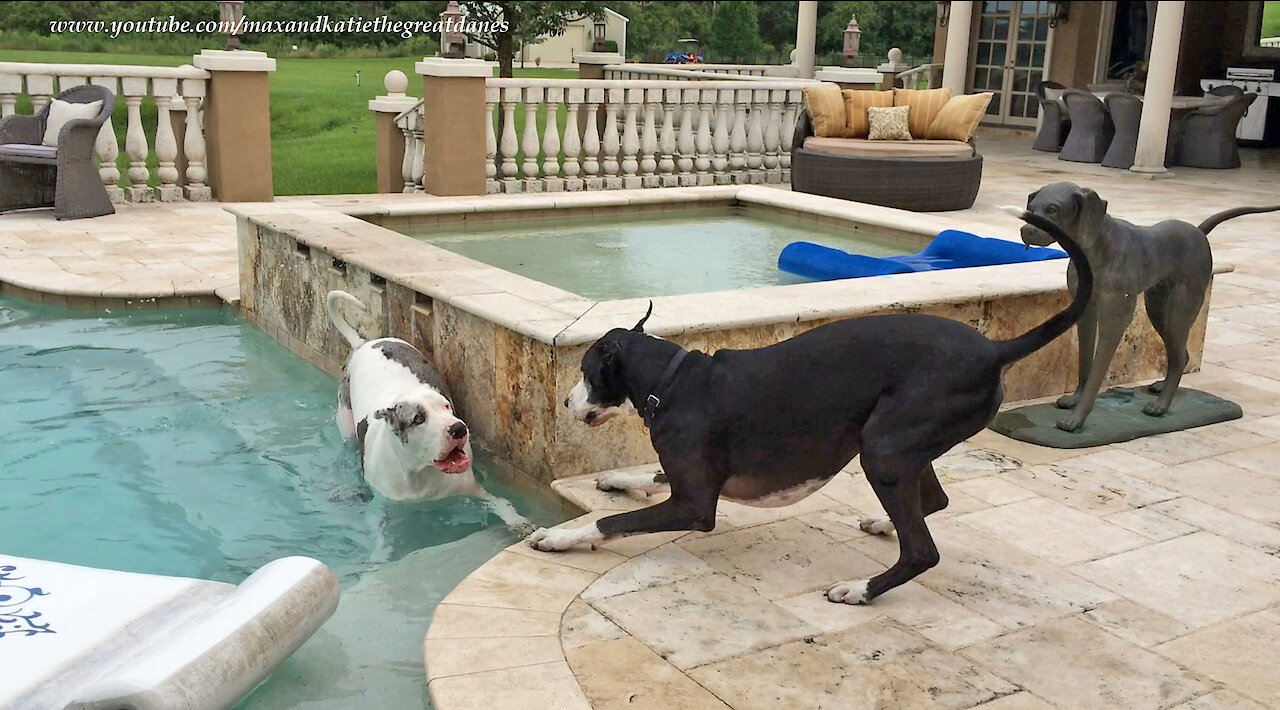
{"x": 951, "y": 249}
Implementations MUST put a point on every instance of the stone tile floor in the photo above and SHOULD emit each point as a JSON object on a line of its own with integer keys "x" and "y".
{"x": 1140, "y": 575}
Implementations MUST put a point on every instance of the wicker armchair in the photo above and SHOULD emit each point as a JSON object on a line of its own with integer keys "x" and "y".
{"x": 1057, "y": 123}
{"x": 65, "y": 176}
{"x": 1209, "y": 135}
{"x": 919, "y": 184}
{"x": 1091, "y": 128}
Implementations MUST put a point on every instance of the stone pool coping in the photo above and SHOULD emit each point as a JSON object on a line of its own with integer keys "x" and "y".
{"x": 550, "y": 315}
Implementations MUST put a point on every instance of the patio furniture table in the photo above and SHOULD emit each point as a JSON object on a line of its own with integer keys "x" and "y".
{"x": 1179, "y": 103}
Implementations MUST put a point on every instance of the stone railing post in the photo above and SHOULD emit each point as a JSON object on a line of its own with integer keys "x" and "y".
{"x": 453, "y": 128}
{"x": 389, "y": 138}
{"x": 237, "y": 123}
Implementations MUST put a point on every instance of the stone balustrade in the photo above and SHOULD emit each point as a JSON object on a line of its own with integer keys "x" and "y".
{"x": 670, "y": 72}
{"x": 641, "y": 70}
{"x": 925, "y": 76}
{"x": 178, "y": 94}
{"x": 553, "y": 135}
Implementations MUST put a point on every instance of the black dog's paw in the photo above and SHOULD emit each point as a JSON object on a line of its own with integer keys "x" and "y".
{"x": 1068, "y": 401}
{"x": 1156, "y": 387}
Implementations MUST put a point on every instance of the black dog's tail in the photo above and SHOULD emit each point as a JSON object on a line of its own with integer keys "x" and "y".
{"x": 1011, "y": 350}
{"x": 1225, "y": 215}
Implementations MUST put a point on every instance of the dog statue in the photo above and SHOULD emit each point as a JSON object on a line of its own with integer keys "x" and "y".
{"x": 767, "y": 427}
{"x": 396, "y": 405}
{"x": 1169, "y": 263}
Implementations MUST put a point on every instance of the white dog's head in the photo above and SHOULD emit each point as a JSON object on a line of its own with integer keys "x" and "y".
{"x": 427, "y": 427}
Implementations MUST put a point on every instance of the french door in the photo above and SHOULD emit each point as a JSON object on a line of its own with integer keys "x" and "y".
{"x": 1009, "y": 50}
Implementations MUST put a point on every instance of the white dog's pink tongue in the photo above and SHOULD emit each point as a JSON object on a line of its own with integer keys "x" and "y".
{"x": 455, "y": 462}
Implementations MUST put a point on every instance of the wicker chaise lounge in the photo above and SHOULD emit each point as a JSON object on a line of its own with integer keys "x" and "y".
{"x": 64, "y": 175}
{"x": 947, "y": 179}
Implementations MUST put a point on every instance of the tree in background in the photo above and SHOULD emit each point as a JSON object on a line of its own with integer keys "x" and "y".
{"x": 527, "y": 20}
{"x": 905, "y": 25}
{"x": 735, "y": 33}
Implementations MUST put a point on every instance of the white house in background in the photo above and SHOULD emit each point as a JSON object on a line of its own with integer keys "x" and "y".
{"x": 578, "y": 36}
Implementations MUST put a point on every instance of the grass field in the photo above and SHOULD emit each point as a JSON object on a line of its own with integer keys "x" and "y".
{"x": 1271, "y": 19}
{"x": 322, "y": 133}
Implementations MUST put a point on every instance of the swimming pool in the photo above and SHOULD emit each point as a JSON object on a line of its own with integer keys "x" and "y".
{"x": 188, "y": 443}
{"x": 700, "y": 251}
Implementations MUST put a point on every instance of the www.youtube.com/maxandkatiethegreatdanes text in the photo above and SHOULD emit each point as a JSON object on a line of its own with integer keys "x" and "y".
{"x": 244, "y": 25}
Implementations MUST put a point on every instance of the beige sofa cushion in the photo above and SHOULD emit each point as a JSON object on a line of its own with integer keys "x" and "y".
{"x": 826, "y": 109}
{"x": 862, "y": 148}
{"x": 856, "y": 103}
{"x": 924, "y": 103}
{"x": 959, "y": 117}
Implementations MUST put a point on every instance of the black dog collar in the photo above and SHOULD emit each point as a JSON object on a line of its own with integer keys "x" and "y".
{"x": 652, "y": 402}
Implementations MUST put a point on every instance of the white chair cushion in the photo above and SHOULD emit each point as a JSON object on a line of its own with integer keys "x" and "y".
{"x": 27, "y": 150}
{"x": 62, "y": 111}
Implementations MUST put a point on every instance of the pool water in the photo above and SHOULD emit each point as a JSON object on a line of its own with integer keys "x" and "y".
{"x": 637, "y": 256}
{"x": 187, "y": 443}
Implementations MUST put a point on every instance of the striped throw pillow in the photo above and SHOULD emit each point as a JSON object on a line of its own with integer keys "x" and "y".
{"x": 826, "y": 110}
{"x": 888, "y": 123}
{"x": 924, "y": 103}
{"x": 959, "y": 117}
{"x": 856, "y": 103}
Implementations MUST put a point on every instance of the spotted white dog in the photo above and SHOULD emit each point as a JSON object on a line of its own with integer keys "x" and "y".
{"x": 396, "y": 405}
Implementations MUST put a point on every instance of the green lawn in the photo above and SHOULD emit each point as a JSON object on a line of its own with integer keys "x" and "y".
{"x": 1271, "y": 19}
{"x": 322, "y": 133}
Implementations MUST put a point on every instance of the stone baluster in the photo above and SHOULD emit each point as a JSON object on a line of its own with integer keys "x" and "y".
{"x": 755, "y": 136}
{"x": 163, "y": 91}
{"x": 492, "y": 97}
{"x": 419, "y": 150}
{"x": 510, "y": 96}
{"x": 591, "y": 140}
{"x": 649, "y": 139}
{"x": 688, "y": 101}
{"x": 789, "y": 132}
{"x": 613, "y": 98}
{"x": 720, "y": 137}
{"x": 772, "y": 134}
{"x": 631, "y": 139}
{"x": 702, "y": 163}
{"x": 10, "y": 87}
{"x": 551, "y": 180}
{"x": 738, "y": 137}
{"x": 529, "y": 141}
{"x": 40, "y": 87}
{"x": 193, "y": 145}
{"x": 106, "y": 147}
{"x": 135, "y": 139}
{"x": 667, "y": 139}
{"x": 406, "y": 167}
{"x": 572, "y": 144}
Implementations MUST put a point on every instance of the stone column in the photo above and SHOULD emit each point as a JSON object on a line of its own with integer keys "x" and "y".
{"x": 1153, "y": 128}
{"x": 237, "y": 124}
{"x": 390, "y": 139}
{"x": 453, "y": 131}
{"x": 955, "y": 65}
{"x": 806, "y": 37}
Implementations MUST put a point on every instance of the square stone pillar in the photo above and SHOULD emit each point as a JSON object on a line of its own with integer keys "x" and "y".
{"x": 390, "y": 139}
{"x": 237, "y": 124}
{"x": 453, "y": 129}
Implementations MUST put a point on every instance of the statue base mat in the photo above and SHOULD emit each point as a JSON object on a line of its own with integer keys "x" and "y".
{"x": 1117, "y": 416}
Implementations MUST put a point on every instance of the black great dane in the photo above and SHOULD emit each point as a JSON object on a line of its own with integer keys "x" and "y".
{"x": 769, "y": 426}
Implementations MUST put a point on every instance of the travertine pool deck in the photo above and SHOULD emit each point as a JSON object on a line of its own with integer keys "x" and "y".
{"x": 1139, "y": 575}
